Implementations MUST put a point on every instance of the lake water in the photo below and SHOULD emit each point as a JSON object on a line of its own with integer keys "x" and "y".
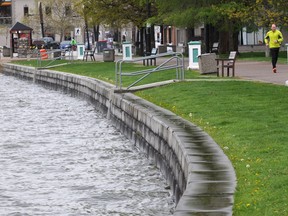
{"x": 60, "y": 156}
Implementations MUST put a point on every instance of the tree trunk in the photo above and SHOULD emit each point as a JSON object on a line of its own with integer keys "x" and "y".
{"x": 228, "y": 41}
{"x": 152, "y": 36}
{"x": 162, "y": 34}
{"x": 223, "y": 42}
{"x": 190, "y": 34}
{"x": 142, "y": 32}
{"x": 96, "y": 32}
{"x": 235, "y": 41}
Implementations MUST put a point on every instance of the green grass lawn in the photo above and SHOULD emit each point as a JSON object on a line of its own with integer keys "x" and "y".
{"x": 260, "y": 56}
{"x": 106, "y": 71}
{"x": 247, "y": 119}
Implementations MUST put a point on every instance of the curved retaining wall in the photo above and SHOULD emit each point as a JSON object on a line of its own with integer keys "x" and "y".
{"x": 200, "y": 175}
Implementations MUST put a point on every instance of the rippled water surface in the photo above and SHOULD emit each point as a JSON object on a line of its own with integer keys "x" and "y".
{"x": 59, "y": 156}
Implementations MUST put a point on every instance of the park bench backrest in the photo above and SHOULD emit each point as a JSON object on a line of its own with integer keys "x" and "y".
{"x": 215, "y": 47}
{"x": 154, "y": 51}
{"x": 232, "y": 55}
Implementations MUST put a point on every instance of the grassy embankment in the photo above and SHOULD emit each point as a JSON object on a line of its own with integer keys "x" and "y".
{"x": 247, "y": 119}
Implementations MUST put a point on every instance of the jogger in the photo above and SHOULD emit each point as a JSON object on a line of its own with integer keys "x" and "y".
{"x": 273, "y": 39}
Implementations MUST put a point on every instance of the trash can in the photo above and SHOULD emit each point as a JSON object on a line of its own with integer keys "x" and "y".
{"x": 57, "y": 54}
{"x": 108, "y": 55}
{"x": 207, "y": 63}
{"x": 162, "y": 48}
{"x": 6, "y": 51}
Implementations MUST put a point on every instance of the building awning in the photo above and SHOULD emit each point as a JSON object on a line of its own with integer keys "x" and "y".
{"x": 5, "y": 4}
{"x": 20, "y": 27}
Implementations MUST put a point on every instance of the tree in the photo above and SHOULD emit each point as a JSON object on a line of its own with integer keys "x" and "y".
{"x": 271, "y": 11}
{"x": 227, "y": 17}
{"x": 59, "y": 17}
{"x": 118, "y": 13}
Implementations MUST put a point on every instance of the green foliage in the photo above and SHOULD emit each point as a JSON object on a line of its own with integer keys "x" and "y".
{"x": 106, "y": 71}
{"x": 224, "y": 14}
{"x": 118, "y": 12}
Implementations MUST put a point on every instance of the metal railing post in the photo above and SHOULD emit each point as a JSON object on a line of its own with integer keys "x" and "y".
{"x": 178, "y": 66}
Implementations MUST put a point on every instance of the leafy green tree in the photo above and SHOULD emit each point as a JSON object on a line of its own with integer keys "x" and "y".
{"x": 271, "y": 11}
{"x": 59, "y": 17}
{"x": 62, "y": 18}
{"x": 228, "y": 17}
{"x": 118, "y": 13}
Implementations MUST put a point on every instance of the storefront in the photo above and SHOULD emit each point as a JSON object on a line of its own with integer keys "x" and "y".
{"x": 21, "y": 38}
{"x": 5, "y": 13}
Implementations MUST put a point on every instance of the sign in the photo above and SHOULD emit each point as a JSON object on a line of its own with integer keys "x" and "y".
{"x": 77, "y": 31}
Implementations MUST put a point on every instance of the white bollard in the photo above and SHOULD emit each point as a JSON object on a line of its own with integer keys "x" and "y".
{"x": 127, "y": 51}
{"x": 194, "y": 52}
{"x": 80, "y": 51}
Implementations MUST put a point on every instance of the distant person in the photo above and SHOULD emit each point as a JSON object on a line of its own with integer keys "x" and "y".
{"x": 73, "y": 44}
{"x": 273, "y": 40}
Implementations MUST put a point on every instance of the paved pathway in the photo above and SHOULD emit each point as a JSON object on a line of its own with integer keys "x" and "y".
{"x": 262, "y": 71}
{"x": 258, "y": 71}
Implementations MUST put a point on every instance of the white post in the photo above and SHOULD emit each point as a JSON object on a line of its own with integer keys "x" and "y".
{"x": 194, "y": 52}
{"x": 127, "y": 51}
{"x": 287, "y": 51}
{"x": 80, "y": 51}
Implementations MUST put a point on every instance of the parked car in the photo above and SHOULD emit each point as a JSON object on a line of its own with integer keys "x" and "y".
{"x": 46, "y": 42}
{"x": 38, "y": 43}
{"x": 65, "y": 45}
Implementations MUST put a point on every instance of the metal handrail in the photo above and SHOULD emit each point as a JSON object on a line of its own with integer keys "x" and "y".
{"x": 179, "y": 66}
{"x": 52, "y": 59}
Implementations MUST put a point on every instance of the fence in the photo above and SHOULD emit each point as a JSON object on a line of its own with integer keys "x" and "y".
{"x": 175, "y": 61}
{"x": 47, "y": 59}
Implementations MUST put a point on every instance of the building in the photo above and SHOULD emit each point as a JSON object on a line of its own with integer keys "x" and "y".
{"x": 41, "y": 17}
{"x": 5, "y": 22}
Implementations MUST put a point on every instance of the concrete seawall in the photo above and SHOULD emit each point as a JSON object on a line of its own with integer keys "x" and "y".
{"x": 201, "y": 176}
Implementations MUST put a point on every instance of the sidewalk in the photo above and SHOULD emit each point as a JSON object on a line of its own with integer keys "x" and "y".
{"x": 257, "y": 71}
{"x": 262, "y": 71}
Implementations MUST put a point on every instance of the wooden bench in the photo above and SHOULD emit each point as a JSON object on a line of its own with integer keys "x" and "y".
{"x": 90, "y": 53}
{"x": 227, "y": 63}
{"x": 215, "y": 48}
{"x": 153, "y": 53}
